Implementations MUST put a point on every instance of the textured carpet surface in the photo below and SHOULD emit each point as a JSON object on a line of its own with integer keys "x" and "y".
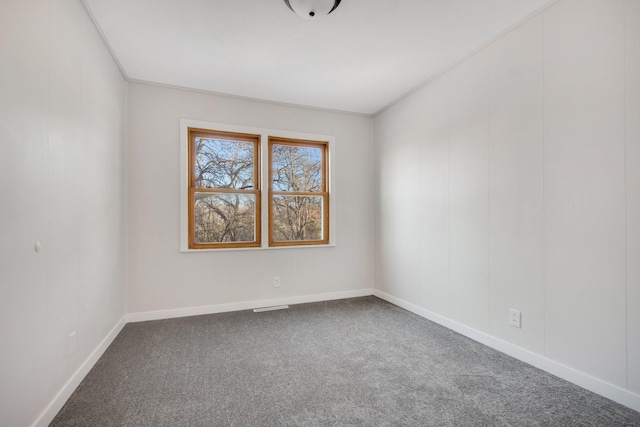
{"x": 360, "y": 361}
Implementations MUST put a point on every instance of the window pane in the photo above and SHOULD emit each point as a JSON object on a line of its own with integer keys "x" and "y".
{"x": 224, "y": 218}
{"x": 296, "y": 168}
{"x": 297, "y": 218}
{"x": 223, "y": 164}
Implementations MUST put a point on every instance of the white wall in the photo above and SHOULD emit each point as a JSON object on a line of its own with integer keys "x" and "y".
{"x": 512, "y": 181}
{"x": 632, "y": 139}
{"x": 62, "y": 133}
{"x": 161, "y": 277}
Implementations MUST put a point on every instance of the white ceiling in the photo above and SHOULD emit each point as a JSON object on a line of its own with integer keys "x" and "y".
{"x": 360, "y": 58}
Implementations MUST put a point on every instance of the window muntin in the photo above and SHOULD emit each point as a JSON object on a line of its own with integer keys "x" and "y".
{"x": 224, "y": 189}
{"x": 298, "y": 192}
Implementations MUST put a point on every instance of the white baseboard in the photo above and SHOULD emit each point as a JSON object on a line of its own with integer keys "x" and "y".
{"x": 610, "y": 391}
{"x": 65, "y": 392}
{"x": 245, "y": 305}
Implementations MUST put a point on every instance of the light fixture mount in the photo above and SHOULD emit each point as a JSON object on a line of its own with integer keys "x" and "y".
{"x": 312, "y": 9}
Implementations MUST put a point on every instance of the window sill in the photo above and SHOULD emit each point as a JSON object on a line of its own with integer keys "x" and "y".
{"x": 262, "y": 248}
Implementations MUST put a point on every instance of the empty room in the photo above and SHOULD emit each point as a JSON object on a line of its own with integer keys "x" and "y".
{"x": 319, "y": 212}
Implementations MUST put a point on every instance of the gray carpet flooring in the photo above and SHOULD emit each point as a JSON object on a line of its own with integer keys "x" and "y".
{"x": 360, "y": 361}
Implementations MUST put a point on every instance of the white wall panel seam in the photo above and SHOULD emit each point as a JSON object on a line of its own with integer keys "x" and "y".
{"x": 626, "y": 194}
{"x": 544, "y": 279}
{"x": 45, "y": 239}
{"x": 488, "y": 188}
{"x": 448, "y": 293}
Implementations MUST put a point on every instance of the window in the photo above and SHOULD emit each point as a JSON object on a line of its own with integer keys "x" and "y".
{"x": 244, "y": 188}
{"x": 298, "y": 192}
{"x": 224, "y": 189}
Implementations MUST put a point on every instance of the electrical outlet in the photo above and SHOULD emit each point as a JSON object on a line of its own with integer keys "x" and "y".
{"x": 276, "y": 281}
{"x": 72, "y": 342}
{"x": 515, "y": 318}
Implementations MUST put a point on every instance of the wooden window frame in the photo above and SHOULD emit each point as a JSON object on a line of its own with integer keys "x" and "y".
{"x": 192, "y": 134}
{"x": 324, "y": 145}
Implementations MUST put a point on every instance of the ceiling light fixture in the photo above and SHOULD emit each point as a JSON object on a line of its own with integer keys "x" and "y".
{"x": 312, "y": 9}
